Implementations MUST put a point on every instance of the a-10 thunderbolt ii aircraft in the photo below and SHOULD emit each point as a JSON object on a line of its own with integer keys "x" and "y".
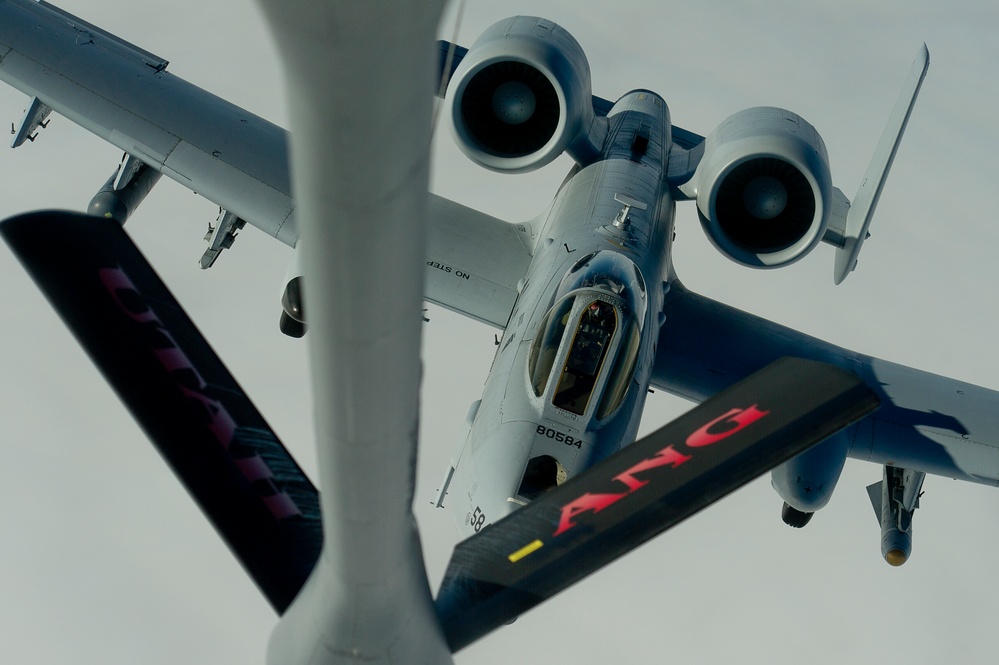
{"x": 585, "y": 320}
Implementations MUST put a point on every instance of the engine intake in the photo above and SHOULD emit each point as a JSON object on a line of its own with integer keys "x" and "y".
{"x": 521, "y": 96}
{"x": 763, "y": 187}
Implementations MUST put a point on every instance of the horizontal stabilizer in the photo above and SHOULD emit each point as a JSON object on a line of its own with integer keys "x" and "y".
{"x": 861, "y": 212}
{"x": 178, "y": 390}
{"x": 646, "y": 488}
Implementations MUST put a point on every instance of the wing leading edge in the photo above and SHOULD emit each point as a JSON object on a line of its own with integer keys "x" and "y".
{"x": 232, "y": 157}
{"x": 926, "y": 422}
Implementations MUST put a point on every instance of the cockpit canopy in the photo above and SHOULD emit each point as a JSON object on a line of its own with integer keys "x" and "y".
{"x": 610, "y": 272}
{"x": 592, "y": 333}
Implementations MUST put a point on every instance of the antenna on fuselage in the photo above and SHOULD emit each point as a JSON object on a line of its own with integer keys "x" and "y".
{"x": 622, "y": 219}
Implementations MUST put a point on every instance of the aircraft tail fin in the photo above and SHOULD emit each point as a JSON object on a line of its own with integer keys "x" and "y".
{"x": 577, "y": 528}
{"x": 179, "y": 391}
{"x": 850, "y": 238}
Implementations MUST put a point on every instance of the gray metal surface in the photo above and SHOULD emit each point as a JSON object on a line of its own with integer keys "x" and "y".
{"x": 368, "y": 599}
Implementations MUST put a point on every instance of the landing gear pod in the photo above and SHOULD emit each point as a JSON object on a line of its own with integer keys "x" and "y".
{"x": 124, "y": 190}
{"x": 806, "y": 481}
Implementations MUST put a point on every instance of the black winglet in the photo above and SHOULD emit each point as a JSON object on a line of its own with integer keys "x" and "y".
{"x": 646, "y": 488}
{"x": 178, "y": 390}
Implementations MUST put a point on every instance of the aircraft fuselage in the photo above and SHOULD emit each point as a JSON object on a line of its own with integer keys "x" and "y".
{"x": 571, "y": 372}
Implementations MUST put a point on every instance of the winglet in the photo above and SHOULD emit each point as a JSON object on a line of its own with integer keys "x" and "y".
{"x": 858, "y": 219}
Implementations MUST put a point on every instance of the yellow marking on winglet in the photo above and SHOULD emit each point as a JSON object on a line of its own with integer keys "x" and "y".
{"x": 525, "y": 550}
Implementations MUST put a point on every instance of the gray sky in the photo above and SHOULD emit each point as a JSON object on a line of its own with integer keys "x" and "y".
{"x": 104, "y": 559}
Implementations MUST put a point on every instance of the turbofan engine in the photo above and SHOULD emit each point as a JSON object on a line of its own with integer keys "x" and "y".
{"x": 763, "y": 187}
{"x": 521, "y": 96}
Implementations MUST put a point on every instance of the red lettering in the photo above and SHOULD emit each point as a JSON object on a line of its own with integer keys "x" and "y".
{"x": 589, "y": 502}
{"x": 218, "y": 420}
{"x": 665, "y": 456}
{"x": 732, "y": 421}
{"x": 121, "y": 287}
{"x": 737, "y": 419}
{"x": 281, "y": 506}
{"x": 173, "y": 359}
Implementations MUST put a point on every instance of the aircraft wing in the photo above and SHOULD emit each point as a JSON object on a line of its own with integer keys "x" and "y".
{"x": 926, "y": 422}
{"x": 232, "y": 157}
{"x": 474, "y": 261}
{"x": 179, "y": 391}
{"x": 124, "y": 95}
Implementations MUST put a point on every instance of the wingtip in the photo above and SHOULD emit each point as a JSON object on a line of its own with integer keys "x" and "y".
{"x": 922, "y": 61}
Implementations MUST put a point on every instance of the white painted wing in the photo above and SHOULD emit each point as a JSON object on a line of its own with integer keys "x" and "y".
{"x": 474, "y": 261}
{"x": 926, "y": 422}
{"x": 232, "y": 157}
{"x": 110, "y": 88}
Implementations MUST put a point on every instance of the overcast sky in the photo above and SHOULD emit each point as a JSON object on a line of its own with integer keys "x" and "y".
{"x": 104, "y": 559}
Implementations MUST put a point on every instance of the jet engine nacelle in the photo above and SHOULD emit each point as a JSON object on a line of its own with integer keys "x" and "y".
{"x": 763, "y": 187}
{"x": 521, "y": 96}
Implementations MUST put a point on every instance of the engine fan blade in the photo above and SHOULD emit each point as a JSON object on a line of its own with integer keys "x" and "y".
{"x": 655, "y": 483}
{"x": 179, "y": 392}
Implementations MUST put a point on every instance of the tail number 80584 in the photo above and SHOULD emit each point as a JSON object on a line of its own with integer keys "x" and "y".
{"x": 559, "y": 436}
